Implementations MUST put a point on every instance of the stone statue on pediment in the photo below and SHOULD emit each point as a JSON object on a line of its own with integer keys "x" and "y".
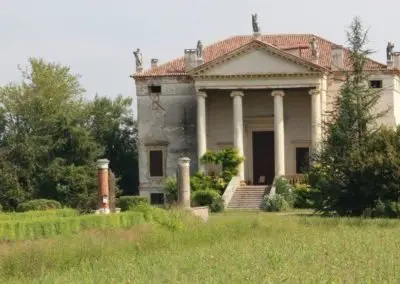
{"x": 254, "y": 19}
{"x": 389, "y": 51}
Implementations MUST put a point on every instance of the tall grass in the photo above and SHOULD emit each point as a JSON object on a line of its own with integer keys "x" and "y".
{"x": 230, "y": 248}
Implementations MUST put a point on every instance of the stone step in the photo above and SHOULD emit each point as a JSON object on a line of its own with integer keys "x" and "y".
{"x": 248, "y": 197}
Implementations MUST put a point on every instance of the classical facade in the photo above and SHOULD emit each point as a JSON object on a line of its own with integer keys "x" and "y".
{"x": 266, "y": 95}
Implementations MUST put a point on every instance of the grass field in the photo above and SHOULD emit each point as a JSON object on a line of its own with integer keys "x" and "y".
{"x": 242, "y": 247}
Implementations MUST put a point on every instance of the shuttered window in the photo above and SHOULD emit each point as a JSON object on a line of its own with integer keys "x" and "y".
{"x": 156, "y": 163}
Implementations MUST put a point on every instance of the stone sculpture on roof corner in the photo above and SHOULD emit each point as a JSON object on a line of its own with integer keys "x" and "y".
{"x": 389, "y": 51}
{"x": 138, "y": 58}
{"x": 256, "y": 27}
{"x": 199, "y": 49}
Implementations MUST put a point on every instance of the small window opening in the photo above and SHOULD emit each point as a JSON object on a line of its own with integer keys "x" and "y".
{"x": 155, "y": 89}
{"x": 376, "y": 84}
{"x": 157, "y": 198}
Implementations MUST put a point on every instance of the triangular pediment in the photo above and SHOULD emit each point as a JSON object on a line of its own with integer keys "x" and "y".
{"x": 256, "y": 58}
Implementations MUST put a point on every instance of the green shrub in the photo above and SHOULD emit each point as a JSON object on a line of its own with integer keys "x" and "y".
{"x": 285, "y": 189}
{"x": 171, "y": 189}
{"x": 209, "y": 198}
{"x": 282, "y": 186}
{"x": 275, "y": 203}
{"x": 382, "y": 209}
{"x": 303, "y": 196}
{"x": 229, "y": 159}
{"x": 38, "y": 204}
{"x": 201, "y": 181}
{"x": 129, "y": 202}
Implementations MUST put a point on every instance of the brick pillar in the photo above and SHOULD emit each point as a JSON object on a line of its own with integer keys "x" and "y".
{"x": 184, "y": 182}
{"x": 104, "y": 195}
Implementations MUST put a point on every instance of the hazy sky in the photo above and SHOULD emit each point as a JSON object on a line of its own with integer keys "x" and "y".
{"x": 96, "y": 37}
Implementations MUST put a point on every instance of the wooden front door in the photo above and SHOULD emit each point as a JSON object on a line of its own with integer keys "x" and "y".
{"x": 263, "y": 157}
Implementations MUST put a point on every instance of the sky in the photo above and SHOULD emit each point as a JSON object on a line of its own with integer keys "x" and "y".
{"x": 96, "y": 38}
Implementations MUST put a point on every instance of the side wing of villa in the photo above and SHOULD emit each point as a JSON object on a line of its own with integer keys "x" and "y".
{"x": 265, "y": 95}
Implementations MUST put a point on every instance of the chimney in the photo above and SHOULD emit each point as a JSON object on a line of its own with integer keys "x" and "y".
{"x": 396, "y": 60}
{"x": 154, "y": 62}
{"x": 337, "y": 56}
{"x": 190, "y": 59}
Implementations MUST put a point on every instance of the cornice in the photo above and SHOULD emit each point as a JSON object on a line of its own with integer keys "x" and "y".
{"x": 258, "y": 75}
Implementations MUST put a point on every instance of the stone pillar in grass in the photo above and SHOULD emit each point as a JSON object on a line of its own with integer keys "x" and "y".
{"x": 183, "y": 182}
{"x": 104, "y": 195}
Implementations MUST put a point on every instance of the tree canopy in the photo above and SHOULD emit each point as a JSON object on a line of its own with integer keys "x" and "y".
{"x": 50, "y": 138}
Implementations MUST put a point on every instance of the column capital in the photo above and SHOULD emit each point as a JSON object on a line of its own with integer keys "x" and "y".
{"x": 201, "y": 94}
{"x": 237, "y": 93}
{"x": 184, "y": 161}
{"x": 314, "y": 92}
{"x": 102, "y": 163}
{"x": 277, "y": 93}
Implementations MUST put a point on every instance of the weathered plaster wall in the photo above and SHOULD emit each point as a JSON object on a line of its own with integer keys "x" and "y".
{"x": 389, "y": 97}
{"x": 396, "y": 99}
{"x": 386, "y": 103}
{"x": 166, "y": 122}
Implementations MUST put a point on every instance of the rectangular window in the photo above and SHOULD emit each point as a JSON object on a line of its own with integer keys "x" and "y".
{"x": 156, "y": 160}
{"x": 157, "y": 198}
{"x": 302, "y": 159}
{"x": 376, "y": 84}
{"x": 155, "y": 89}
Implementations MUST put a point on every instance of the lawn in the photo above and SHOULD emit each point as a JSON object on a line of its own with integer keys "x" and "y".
{"x": 237, "y": 247}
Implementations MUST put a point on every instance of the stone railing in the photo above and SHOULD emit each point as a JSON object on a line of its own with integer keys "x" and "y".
{"x": 293, "y": 179}
{"x": 230, "y": 190}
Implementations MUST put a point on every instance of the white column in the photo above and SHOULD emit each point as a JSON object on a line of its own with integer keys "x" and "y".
{"x": 324, "y": 90}
{"x": 201, "y": 128}
{"x": 315, "y": 118}
{"x": 238, "y": 127}
{"x": 184, "y": 182}
{"x": 279, "y": 132}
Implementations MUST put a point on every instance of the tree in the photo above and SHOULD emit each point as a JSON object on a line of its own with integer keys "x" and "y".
{"x": 343, "y": 170}
{"x": 50, "y": 138}
{"x": 113, "y": 127}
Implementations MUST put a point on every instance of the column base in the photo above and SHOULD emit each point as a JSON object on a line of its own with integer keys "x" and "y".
{"x": 243, "y": 183}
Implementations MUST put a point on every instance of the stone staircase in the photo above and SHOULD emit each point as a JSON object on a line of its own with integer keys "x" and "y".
{"x": 248, "y": 197}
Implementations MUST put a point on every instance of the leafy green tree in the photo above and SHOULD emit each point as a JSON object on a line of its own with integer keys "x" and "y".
{"x": 345, "y": 169}
{"x": 114, "y": 127}
{"x": 50, "y": 138}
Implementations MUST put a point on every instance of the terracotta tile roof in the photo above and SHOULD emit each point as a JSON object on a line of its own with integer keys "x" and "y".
{"x": 282, "y": 41}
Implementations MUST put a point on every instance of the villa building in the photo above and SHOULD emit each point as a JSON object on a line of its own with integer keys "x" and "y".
{"x": 265, "y": 95}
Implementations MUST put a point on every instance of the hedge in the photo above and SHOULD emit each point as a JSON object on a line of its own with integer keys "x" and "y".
{"x": 34, "y": 215}
{"x": 38, "y": 204}
{"x": 128, "y": 202}
{"x": 49, "y": 227}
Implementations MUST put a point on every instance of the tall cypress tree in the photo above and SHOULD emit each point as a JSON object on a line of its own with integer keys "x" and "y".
{"x": 338, "y": 165}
